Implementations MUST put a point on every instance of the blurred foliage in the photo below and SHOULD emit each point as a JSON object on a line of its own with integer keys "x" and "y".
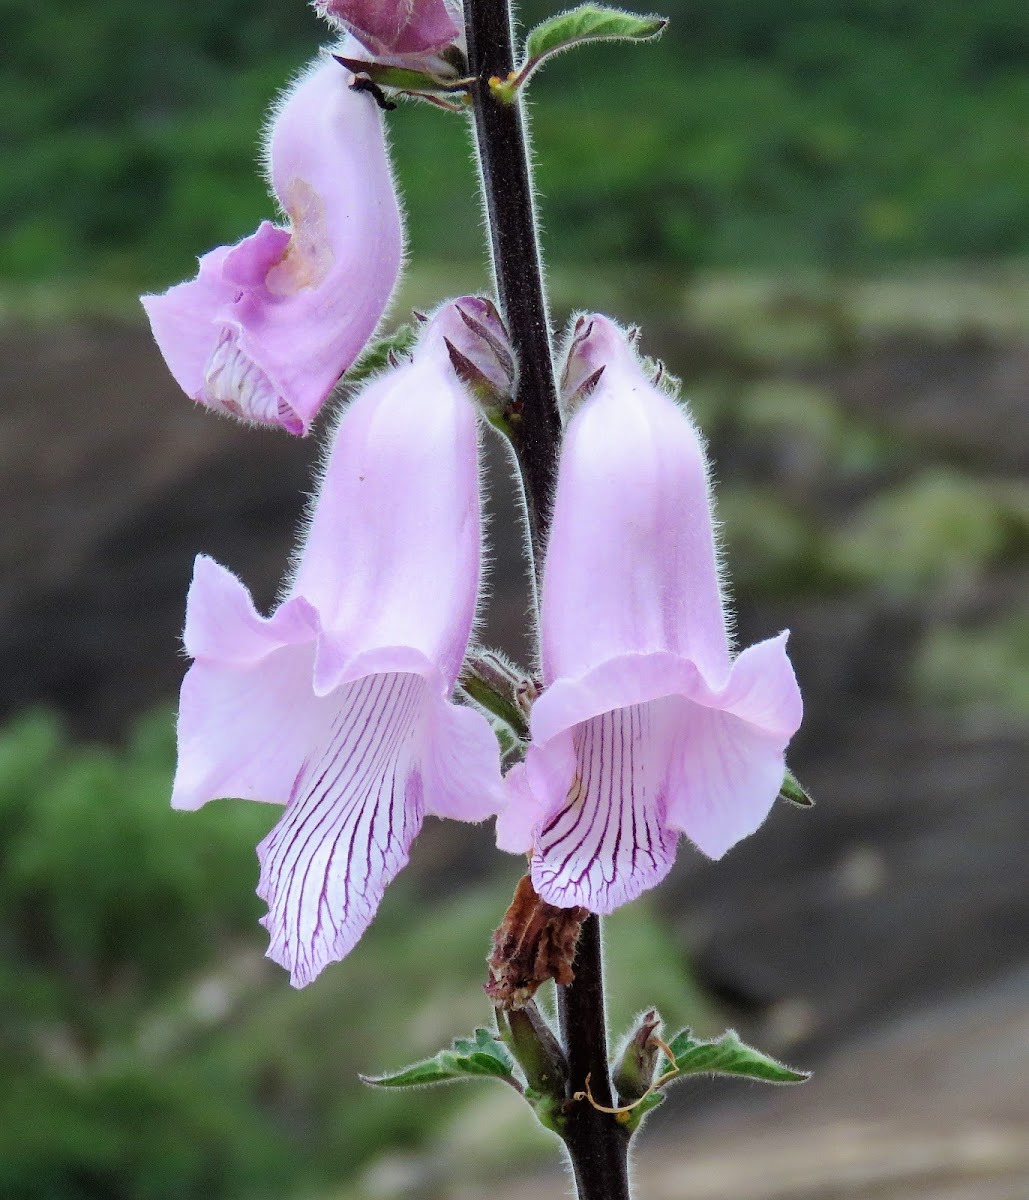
{"x": 148, "y": 1050}
{"x": 830, "y": 132}
{"x": 973, "y": 671}
{"x": 937, "y": 529}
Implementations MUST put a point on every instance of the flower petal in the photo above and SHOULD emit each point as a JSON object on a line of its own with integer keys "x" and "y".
{"x": 181, "y": 325}
{"x": 222, "y": 623}
{"x": 523, "y": 811}
{"x": 704, "y": 762}
{"x": 244, "y": 731}
{"x": 608, "y": 842}
{"x": 731, "y": 754}
{"x": 616, "y": 683}
{"x": 631, "y": 564}
{"x": 461, "y": 765}
{"x": 763, "y": 689}
{"x": 725, "y": 781}
{"x": 392, "y": 553}
{"x": 268, "y": 326}
{"x": 347, "y": 830}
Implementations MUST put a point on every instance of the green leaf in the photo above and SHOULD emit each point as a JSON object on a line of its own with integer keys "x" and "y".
{"x": 376, "y": 355}
{"x": 727, "y": 1055}
{"x": 468, "y": 1058}
{"x": 792, "y": 792}
{"x": 587, "y": 23}
{"x": 485, "y": 1041}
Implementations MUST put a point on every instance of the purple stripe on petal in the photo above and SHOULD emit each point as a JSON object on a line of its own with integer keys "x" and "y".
{"x": 608, "y": 842}
{"x": 348, "y": 827}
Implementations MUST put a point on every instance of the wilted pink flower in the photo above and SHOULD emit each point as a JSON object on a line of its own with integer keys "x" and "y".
{"x": 396, "y": 27}
{"x": 269, "y": 325}
{"x": 648, "y": 727}
{"x": 337, "y": 705}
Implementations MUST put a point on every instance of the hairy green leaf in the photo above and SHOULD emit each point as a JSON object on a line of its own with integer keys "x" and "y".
{"x": 727, "y": 1055}
{"x": 468, "y": 1058}
{"x": 587, "y": 23}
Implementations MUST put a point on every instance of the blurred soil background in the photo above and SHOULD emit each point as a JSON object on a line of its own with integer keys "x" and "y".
{"x": 819, "y": 214}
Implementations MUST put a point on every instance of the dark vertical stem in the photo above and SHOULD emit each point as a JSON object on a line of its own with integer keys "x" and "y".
{"x": 507, "y": 186}
{"x": 597, "y": 1144}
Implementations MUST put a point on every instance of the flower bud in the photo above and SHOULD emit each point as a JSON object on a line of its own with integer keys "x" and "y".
{"x": 634, "y": 1073}
{"x": 500, "y": 688}
{"x": 536, "y": 1049}
{"x": 582, "y": 370}
{"x": 396, "y": 27}
{"x": 481, "y": 354}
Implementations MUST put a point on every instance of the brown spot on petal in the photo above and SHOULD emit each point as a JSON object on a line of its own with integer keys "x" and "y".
{"x": 308, "y": 256}
{"x": 535, "y": 942}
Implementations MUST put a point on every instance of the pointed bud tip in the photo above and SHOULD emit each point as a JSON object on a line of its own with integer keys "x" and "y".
{"x": 633, "y": 1075}
{"x": 479, "y": 349}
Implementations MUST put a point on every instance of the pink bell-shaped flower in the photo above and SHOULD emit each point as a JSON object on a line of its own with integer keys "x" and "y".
{"x": 338, "y": 704}
{"x": 648, "y": 727}
{"x": 397, "y": 28}
{"x": 269, "y": 325}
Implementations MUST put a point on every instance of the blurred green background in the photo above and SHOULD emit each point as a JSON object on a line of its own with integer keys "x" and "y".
{"x": 833, "y": 133}
{"x": 819, "y": 211}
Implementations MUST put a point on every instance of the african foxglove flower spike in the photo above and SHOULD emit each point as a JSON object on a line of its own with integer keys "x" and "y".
{"x": 269, "y": 325}
{"x": 648, "y": 727}
{"x": 337, "y": 705}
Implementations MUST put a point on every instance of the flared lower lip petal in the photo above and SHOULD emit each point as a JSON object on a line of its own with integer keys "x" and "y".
{"x": 639, "y": 751}
{"x": 355, "y": 807}
{"x": 393, "y": 753}
{"x": 223, "y": 625}
{"x": 244, "y": 728}
{"x": 608, "y": 842}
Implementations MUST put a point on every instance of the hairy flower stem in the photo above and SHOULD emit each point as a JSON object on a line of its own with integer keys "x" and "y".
{"x": 596, "y": 1143}
{"x": 507, "y": 186}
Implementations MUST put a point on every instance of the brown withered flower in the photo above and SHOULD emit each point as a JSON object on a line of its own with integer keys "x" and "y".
{"x": 534, "y": 942}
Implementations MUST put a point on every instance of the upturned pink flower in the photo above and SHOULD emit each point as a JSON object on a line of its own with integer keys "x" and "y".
{"x": 269, "y": 325}
{"x": 648, "y": 727}
{"x": 337, "y": 705}
{"x": 396, "y": 28}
